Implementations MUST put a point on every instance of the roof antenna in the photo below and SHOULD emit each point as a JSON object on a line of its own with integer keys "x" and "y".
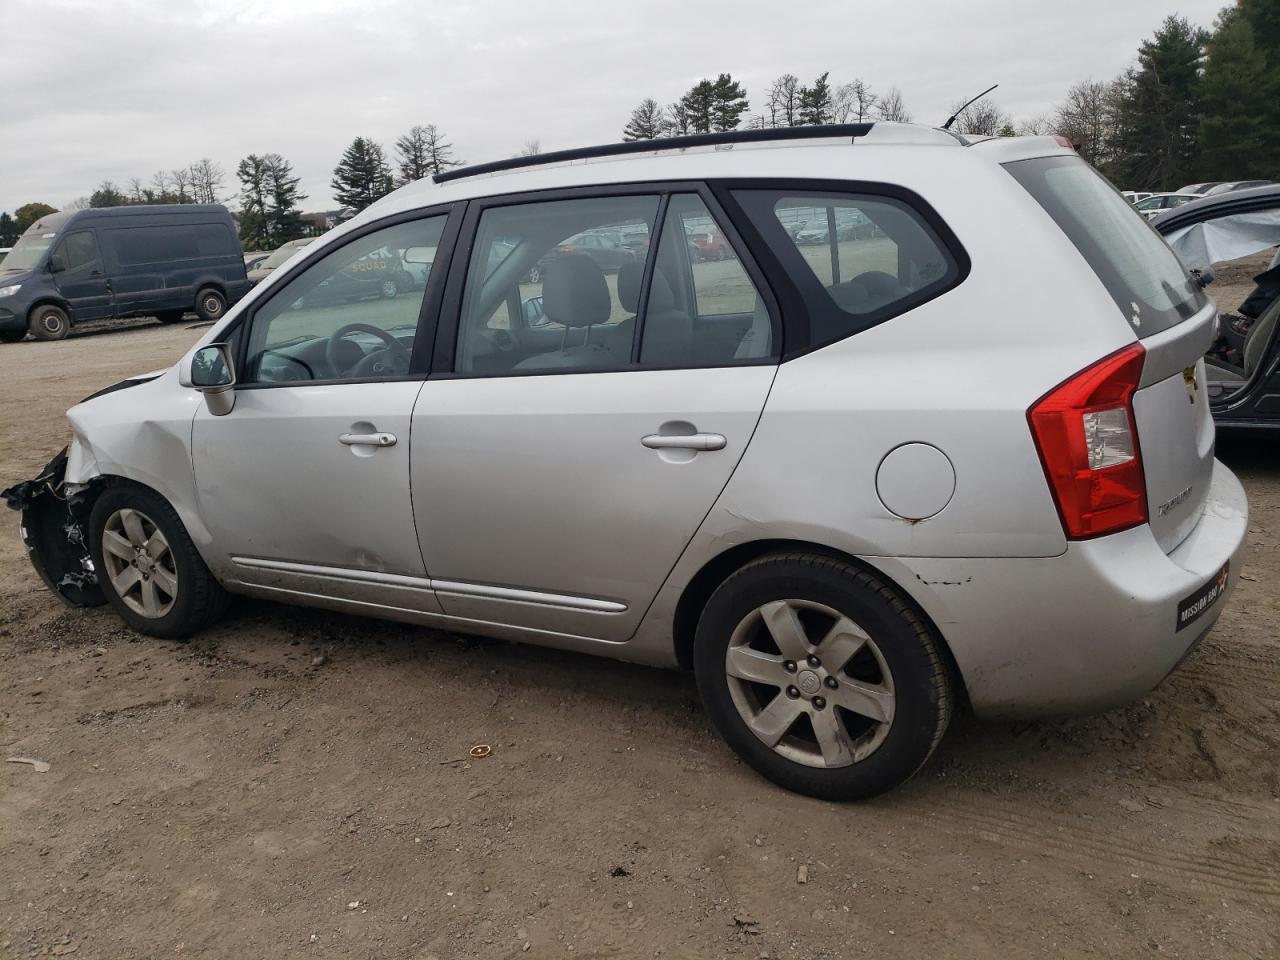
{"x": 952, "y": 118}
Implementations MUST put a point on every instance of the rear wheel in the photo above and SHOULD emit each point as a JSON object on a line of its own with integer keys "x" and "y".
{"x": 148, "y": 568}
{"x": 389, "y": 288}
{"x": 821, "y": 677}
{"x": 210, "y": 304}
{"x": 49, "y": 322}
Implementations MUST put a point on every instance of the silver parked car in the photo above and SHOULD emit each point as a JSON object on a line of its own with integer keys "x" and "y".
{"x": 963, "y": 455}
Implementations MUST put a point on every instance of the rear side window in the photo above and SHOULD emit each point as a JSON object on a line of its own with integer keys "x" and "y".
{"x": 856, "y": 259}
{"x": 1144, "y": 277}
{"x": 177, "y": 242}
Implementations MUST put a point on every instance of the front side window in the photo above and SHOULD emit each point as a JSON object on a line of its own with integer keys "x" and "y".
{"x": 543, "y": 289}
{"x": 856, "y": 259}
{"x": 351, "y": 315}
{"x": 79, "y": 249}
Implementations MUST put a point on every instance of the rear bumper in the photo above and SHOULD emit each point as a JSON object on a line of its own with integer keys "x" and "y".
{"x": 1092, "y": 629}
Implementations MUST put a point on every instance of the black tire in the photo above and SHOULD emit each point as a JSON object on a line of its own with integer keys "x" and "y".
{"x": 12, "y": 336}
{"x": 921, "y": 684}
{"x": 199, "y": 599}
{"x": 389, "y": 288}
{"x": 171, "y": 316}
{"x": 210, "y": 304}
{"x": 49, "y": 322}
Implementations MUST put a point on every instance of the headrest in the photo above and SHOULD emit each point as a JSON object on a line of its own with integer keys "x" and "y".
{"x": 630, "y": 275}
{"x": 575, "y": 293}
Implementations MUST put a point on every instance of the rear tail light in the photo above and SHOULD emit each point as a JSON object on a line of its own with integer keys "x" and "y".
{"x": 1088, "y": 442}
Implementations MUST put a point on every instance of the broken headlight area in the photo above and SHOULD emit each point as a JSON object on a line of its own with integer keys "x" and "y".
{"x": 55, "y": 529}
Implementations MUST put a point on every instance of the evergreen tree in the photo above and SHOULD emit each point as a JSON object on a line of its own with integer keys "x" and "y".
{"x": 711, "y": 105}
{"x": 1240, "y": 123}
{"x": 255, "y": 225}
{"x": 362, "y": 175}
{"x": 421, "y": 152}
{"x": 107, "y": 195}
{"x": 728, "y": 103}
{"x": 284, "y": 217}
{"x": 698, "y": 105}
{"x": 8, "y": 230}
{"x": 1159, "y": 110}
{"x": 815, "y": 102}
{"x": 647, "y": 122}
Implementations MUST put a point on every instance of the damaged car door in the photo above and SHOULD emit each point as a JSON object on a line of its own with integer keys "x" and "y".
{"x": 304, "y": 484}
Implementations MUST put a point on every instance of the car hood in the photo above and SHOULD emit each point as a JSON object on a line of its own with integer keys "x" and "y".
{"x": 8, "y": 277}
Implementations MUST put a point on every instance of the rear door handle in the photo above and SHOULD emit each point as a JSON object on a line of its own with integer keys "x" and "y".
{"x": 368, "y": 439}
{"x": 688, "y": 441}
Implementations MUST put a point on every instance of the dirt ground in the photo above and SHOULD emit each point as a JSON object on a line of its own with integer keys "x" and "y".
{"x": 287, "y": 785}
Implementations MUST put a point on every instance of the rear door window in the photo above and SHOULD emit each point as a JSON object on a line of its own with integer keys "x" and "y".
{"x": 856, "y": 259}
{"x": 1143, "y": 276}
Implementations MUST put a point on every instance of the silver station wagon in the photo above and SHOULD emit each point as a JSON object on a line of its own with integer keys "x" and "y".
{"x": 930, "y": 428}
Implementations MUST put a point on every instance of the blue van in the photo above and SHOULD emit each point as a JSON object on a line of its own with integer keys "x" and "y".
{"x": 111, "y": 262}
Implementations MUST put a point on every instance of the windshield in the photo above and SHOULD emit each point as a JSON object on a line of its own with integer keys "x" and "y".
{"x": 1149, "y": 285}
{"x": 28, "y": 251}
{"x": 281, "y": 255}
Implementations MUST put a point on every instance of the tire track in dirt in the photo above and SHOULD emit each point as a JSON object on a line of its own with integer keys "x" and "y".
{"x": 1073, "y": 843}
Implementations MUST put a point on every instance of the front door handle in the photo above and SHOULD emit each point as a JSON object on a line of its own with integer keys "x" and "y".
{"x": 368, "y": 439}
{"x": 688, "y": 441}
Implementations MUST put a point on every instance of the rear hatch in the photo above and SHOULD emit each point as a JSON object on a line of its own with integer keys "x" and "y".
{"x": 1169, "y": 314}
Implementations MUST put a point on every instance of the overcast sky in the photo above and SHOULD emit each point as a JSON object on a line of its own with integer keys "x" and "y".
{"x": 93, "y": 90}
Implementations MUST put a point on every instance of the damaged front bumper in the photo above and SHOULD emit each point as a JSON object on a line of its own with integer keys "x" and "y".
{"x": 55, "y": 531}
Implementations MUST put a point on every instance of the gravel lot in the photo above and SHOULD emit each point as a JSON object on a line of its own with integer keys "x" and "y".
{"x": 286, "y": 786}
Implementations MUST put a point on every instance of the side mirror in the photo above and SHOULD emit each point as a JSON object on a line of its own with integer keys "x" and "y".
{"x": 57, "y": 262}
{"x": 211, "y": 371}
{"x": 534, "y": 314}
{"x": 419, "y": 255}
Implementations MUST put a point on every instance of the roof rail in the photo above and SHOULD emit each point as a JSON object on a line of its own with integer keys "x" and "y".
{"x": 815, "y": 132}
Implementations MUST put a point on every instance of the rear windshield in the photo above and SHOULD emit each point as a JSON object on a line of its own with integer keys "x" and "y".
{"x": 1145, "y": 278}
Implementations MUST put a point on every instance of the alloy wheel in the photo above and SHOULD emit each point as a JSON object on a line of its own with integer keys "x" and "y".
{"x": 810, "y": 683}
{"x": 140, "y": 563}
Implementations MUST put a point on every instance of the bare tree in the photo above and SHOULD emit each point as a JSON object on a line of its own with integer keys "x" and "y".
{"x": 206, "y": 180}
{"x": 853, "y": 101}
{"x": 981, "y": 119}
{"x": 531, "y": 148}
{"x": 421, "y": 152}
{"x": 79, "y": 203}
{"x": 183, "y": 185}
{"x": 1042, "y": 124}
{"x": 1087, "y": 118}
{"x": 678, "y": 119}
{"x": 891, "y": 107}
{"x": 784, "y": 101}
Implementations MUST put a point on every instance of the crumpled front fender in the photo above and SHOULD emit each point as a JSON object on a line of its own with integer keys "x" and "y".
{"x": 55, "y": 531}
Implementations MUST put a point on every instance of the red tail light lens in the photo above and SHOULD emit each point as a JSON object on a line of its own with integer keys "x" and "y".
{"x": 1088, "y": 442}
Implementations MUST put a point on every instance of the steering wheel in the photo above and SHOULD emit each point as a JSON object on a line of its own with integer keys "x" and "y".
{"x": 391, "y": 360}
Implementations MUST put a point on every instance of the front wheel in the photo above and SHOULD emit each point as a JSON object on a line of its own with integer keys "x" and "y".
{"x": 147, "y": 566}
{"x": 49, "y": 322}
{"x": 821, "y": 677}
{"x": 210, "y": 304}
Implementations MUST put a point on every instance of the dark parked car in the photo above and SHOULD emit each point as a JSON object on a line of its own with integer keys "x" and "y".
{"x": 1243, "y": 367}
{"x": 113, "y": 262}
{"x": 605, "y": 249}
